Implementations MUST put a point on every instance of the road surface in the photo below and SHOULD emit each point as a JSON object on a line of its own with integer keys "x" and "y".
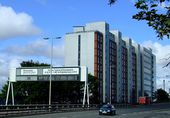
{"x": 150, "y": 111}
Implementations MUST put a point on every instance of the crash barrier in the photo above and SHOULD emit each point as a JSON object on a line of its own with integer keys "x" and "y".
{"x": 123, "y": 105}
{"x": 21, "y": 110}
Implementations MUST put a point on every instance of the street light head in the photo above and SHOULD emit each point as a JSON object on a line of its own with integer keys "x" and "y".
{"x": 58, "y": 38}
{"x": 46, "y": 38}
{"x": 167, "y": 76}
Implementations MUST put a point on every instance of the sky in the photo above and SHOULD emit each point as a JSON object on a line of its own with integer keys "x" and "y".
{"x": 24, "y": 24}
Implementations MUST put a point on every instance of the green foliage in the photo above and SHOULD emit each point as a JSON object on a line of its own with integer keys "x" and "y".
{"x": 31, "y": 63}
{"x": 28, "y": 92}
{"x": 93, "y": 89}
{"x": 112, "y": 1}
{"x": 67, "y": 92}
{"x": 149, "y": 11}
{"x": 162, "y": 95}
{"x": 158, "y": 21}
{"x": 31, "y": 92}
{"x": 3, "y": 94}
{"x": 38, "y": 92}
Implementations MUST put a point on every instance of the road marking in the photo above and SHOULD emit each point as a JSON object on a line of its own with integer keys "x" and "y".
{"x": 135, "y": 113}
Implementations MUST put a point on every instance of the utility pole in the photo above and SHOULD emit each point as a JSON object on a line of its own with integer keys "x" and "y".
{"x": 164, "y": 84}
{"x": 51, "y": 67}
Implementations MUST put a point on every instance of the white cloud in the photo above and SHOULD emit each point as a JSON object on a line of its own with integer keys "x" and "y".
{"x": 162, "y": 52}
{"x": 3, "y": 67}
{"x": 15, "y": 62}
{"x": 7, "y": 62}
{"x": 163, "y": 5}
{"x": 37, "y": 48}
{"x": 162, "y": 58}
{"x": 14, "y": 24}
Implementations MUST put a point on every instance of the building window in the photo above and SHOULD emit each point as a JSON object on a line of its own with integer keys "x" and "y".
{"x": 79, "y": 48}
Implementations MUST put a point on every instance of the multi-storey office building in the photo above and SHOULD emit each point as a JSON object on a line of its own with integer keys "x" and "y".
{"x": 132, "y": 71}
{"x": 148, "y": 71}
{"x": 86, "y": 48}
{"x": 113, "y": 70}
{"x": 138, "y": 70}
{"x": 119, "y": 64}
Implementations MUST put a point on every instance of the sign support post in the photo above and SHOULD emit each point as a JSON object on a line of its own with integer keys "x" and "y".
{"x": 84, "y": 97}
{"x": 12, "y": 89}
{"x": 9, "y": 84}
{"x": 88, "y": 94}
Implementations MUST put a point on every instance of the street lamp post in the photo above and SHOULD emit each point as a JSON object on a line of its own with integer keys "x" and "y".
{"x": 51, "y": 55}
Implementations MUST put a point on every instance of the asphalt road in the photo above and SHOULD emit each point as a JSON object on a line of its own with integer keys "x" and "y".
{"x": 149, "y": 111}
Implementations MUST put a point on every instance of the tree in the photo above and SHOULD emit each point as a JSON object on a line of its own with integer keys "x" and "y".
{"x": 3, "y": 94}
{"x": 31, "y": 63}
{"x": 38, "y": 92}
{"x": 93, "y": 89}
{"x": 162, "y": 95}
{"x": 62, "y": 91}
{"x": 31, "y": 92}
{"x": 149, "y": 11}
{"x": 28, "y": 92}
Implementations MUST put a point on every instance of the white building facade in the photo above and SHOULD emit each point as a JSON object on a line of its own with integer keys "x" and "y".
{"x": 148, "y": 61}
{"x": 118, "y": 64}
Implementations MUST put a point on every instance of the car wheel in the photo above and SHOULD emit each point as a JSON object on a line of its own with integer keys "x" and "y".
{"x": 100, "y": 113}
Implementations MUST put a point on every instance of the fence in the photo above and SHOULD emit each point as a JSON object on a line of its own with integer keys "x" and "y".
{"x": 20, "y": 110}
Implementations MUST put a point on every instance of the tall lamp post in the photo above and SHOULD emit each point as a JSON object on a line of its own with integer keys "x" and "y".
{"x": 47, "y": 38}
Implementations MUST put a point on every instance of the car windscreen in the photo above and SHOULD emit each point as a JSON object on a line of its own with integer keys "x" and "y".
{"x": 106, "y": 106}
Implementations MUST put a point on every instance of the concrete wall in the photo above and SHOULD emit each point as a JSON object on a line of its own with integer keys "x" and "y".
{"x": 86, "y": 50}
{"x": 103, "y": 27}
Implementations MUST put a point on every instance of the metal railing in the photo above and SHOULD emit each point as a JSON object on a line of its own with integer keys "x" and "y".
{"x": 20, "y": 110}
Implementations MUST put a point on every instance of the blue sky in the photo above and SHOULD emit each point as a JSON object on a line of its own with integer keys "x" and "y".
{"x": 31, "y": 20}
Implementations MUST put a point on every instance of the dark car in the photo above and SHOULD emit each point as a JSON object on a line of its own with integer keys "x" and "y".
{"x": 107, "y": 109}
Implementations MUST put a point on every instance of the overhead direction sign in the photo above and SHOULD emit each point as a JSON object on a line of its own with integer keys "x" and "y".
{"x": 61, "y": 71}
{"x": 43, "y": 74}
{"x": 29, "y": 72}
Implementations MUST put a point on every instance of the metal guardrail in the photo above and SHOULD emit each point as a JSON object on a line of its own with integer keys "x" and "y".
{"x": 43, "y": 106}
{"x": 20, "y": 110}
